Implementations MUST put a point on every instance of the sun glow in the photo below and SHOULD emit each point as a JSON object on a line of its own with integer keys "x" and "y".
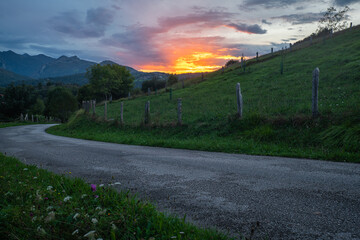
{"x": 192, "y": 63}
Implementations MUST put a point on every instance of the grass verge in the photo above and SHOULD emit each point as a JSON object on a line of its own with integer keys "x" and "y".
{"x": 298, "y": 137}
{"x": 13, "y": 124}
{"x": 37, "y": 204}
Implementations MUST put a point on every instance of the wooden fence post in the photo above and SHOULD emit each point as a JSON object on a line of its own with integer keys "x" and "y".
{"x": 105, "y": 110}
{"x": 315, "y": 93}
{"x": 94, "y": 107}
{"x": 149, "y": 91}
{"x": 122, "y": 112}
{"x": 129, "y": 95}
{"x": 170, "y": 93}
{"x": 257, "y": 56}
{"x": 179, "y": 111}
{"x": 239, "y": 100}
{"x": 147, "y": 113}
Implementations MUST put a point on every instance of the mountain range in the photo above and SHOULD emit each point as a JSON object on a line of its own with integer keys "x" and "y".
{"x": 16, "y": 68}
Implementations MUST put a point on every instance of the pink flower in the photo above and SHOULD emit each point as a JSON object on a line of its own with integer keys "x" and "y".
{"x": 93, "y": 187}
{"x": 96, "y": 196}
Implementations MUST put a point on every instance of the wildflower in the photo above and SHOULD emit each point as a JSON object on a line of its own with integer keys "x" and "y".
{"x": 117, "y": 183}
{"x": 181, "y": 233}
{"x": 84, "y": 195}
{"x": 32, "y": 208}
{"x": 75, "y": 232}
{"x": 49, "y": 208}
{"x": 49, "y": 188}
{"x": 34, "y": 219}
{"x": 76, "y": 216}
{"x": 46, "y": 198}
{"x": 25, "y": 169}
{"x": 50, "y": 217}
{"x": 34, "y": 177}
{"x": 93, "y": 187}
{"x": 98, "y": 208}
{"x": 113, "y": 227}
{"x": 102, "y": 212}
{"x": 101, "y": 185}
{"x": 31, "y": 214}
{"x": 67, "y": 198}
{"x": 41, "y": 230}
{"x": 173, "y": 237}
{"x": 90, "y": 235}
{"x": 9, "y": 193}
{"x": 94, "y": 221}
{"x": 96, "y": 196}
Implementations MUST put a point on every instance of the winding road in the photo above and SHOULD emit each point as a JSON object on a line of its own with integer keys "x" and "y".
{"x": 282, "y": 198}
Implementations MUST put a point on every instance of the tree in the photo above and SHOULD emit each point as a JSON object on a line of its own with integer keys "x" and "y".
{"x": 17, "y": 100}
{"x": 110, "y": 80}
{"x": 61, "y": 103}
{"x": 153, "y": 84}
{"x": 333, "y": 20}
{"x": 173, "y": 78}
{"x": 38, "y": 108}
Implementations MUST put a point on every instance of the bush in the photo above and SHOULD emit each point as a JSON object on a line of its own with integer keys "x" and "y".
{"x": 60, "y": 104}
{"x": 153, "y": 84}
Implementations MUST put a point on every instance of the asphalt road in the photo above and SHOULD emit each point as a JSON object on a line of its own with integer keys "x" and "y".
{"x": 288, "y": 198}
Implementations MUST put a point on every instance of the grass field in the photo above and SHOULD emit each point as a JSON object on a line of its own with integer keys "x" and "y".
{"x": 277, "y": 108}
{"x": 37, "y": 204}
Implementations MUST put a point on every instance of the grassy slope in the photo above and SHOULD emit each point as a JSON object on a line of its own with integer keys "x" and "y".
{"x": 277, "y": 108}
{"x": 34, "y": 206}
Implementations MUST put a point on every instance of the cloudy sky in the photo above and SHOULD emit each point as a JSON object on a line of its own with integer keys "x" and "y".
{"x": 160, "y": 35}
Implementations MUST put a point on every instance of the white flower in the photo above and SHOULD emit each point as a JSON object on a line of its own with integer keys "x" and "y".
{"x": 34, "y": 219}
{"x": 75, "y": 232}
{"x": 90, "y": 235}
{"x": 113, "y": 227}
{"x": 87, "y": 215}
{"x": 32, "y": 208}
{"x": 84, "y": 195}
{"x": 67, "y": 198}
{"x": 181, "y": 233}
{"x": 41, "y": 230}
{"x": 101, "y": 185}
{"x": 98, "y": 208}
{"x": 34, "y": 177}
{"x": 94, "y": 221}
{"x": 173, "y": 237}
{"x": 117, "y": 183}
{"x": 49, "y": 188}
{"x": 25, "y": 169}
{"x": 102, "y": 212}
{"x": 76, "y": 216}
{"x": 49, "y": 208}
{"x": 50, "y": 217}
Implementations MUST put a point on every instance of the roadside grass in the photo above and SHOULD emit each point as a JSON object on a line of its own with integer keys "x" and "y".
{"x": 13, "y": 124}
{"x": 277, "y": 108}
{"x": 37, "y": 204}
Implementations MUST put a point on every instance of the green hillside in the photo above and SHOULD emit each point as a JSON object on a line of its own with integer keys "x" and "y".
{"x": 277, "y": 108}
{"x": 7, "y": 77}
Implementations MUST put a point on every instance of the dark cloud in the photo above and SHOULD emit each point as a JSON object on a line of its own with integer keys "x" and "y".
{"x": 300, "y": 18}
{"x": 137, "y": 44}
{"x": 251, "y": 29}
{"x": 71, "y": 23}
{"x": 270, "y": 3}
{"x": 207, "y": 18}
{"x": 264, "y": 21}
{"x": 345, "y": 2}
{"x": 53, "y": 51}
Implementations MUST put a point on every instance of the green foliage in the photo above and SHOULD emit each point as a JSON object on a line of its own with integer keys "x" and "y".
{"x": 333, "y": 20}
{"x": 38, "y": 108}
{"x": 231, "y": 62}
{"x": 17, "y": 100}
{"x": 173, "y": 78}
{"x": 37, "y": 204}
{"x": 85, "y": 92}
{"x": 153, "y": 84}
{"x": 277, "y": 108}
{"x": 110, "y": 80}
{"x": 61, "y": 104}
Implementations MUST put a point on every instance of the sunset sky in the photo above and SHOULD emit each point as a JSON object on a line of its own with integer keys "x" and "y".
{"x": 160, "y": 35}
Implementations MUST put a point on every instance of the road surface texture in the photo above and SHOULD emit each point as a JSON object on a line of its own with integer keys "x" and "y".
{"x": 287, "y": 198}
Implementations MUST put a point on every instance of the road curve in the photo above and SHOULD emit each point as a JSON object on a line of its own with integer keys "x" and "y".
{"x": 289, "y": 198}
